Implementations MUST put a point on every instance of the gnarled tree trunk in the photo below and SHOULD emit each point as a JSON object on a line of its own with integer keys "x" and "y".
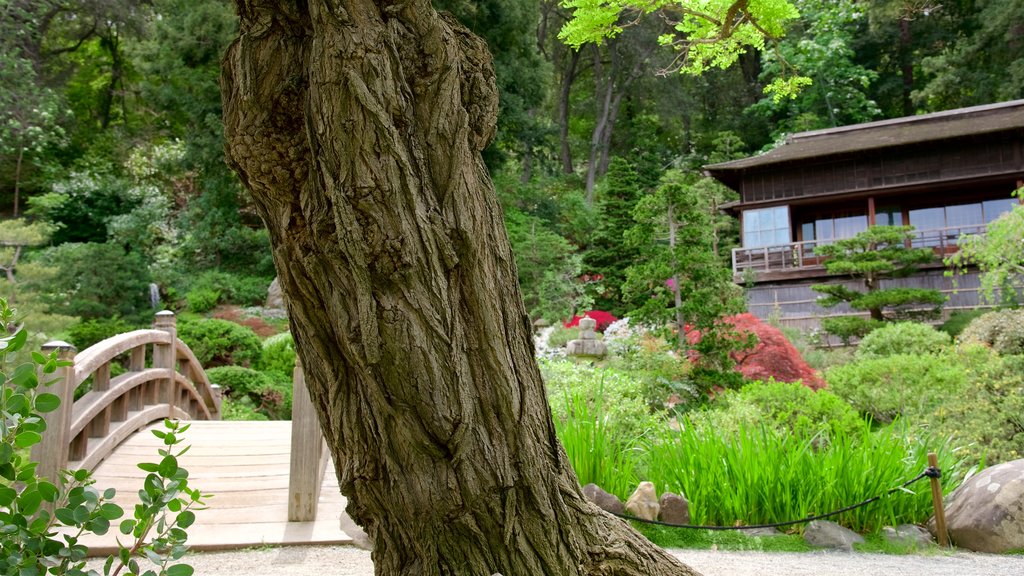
{"x": 358, "y": 127}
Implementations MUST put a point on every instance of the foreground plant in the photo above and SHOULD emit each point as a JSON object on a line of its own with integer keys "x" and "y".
{"x": 42, "y": 523}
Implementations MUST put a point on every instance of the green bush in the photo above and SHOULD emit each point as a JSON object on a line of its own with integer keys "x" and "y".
{"x": 1002, "y": 330}
{"x": 846, "y": 328}
{"x": 88, "y": 332}
{"x": 278, "y": 355}
{"x": 902, "y": 338}
{"x": 233, "y": 288}
{"x": 218, "y": 342}
{"x": 906, "y": 385}
{"x": 958, "y": 321}
{"x": 202, "y": 299}
{"x": 242, "y": 410}
{"x": 987, "y": 416}
{"x": 561, "y": 336}
{"x": 793, "y": 408}
{"x": 260, "y": 392}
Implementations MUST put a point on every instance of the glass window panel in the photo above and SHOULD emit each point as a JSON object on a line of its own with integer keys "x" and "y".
{"x": 889, "y": 216}
{"x": 824, "y": 229}
{"x": 752, "y": 219}
{"x": 807, "y": 231}
{"x": 766, "y": 227}
{"x": 849, "y": 226}
{"x": 782, "y": 236}
{"x": 928, "y": 218}
{"x": 995, "y": 208}
{"x": 964, "y": 215}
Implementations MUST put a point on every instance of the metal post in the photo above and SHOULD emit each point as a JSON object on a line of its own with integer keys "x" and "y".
{"x": 52, "y": 451}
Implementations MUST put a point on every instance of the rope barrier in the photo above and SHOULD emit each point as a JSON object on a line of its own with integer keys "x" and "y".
{"x": 930, "y": 472}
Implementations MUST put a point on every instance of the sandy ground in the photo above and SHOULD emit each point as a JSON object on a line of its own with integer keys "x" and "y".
{"x": 351, "y": 561}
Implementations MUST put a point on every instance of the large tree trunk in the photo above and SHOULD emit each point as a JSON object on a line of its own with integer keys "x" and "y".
{"x": 358, "y": 128}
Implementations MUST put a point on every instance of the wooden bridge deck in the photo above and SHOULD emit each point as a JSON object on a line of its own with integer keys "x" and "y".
{"x": 245, "y": 465}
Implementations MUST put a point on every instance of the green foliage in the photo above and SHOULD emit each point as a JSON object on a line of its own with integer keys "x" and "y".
{"x": 95, "y": 281}
{"x": 875, "y": 254}
{"x": 786, "y": 407}
{"x": 88, "y": 332}
{"x": 903, "y": 338}
{"x": 700, "y": 37}
{"x": 232, "y": 288}
{"x": 987, "y": 417}
{"x": 249, "y": 388}
{"x": 548, "y": 268}
{"x": 959, "y": 320}
{"x": 202, "y": 300}
{"x": 32, "y": 508}
{"x": 218, "y": 342}
{"x": 241, "y": 410}
{"x": 560, "y": 336}
{"x": 760, "y": 475}
{"x": 846, "y": 328}
{"x": 1002, "y": 330}
{"x": 998, "y": 255}
{"x": 278, "y": 356}
{"x": 910, "y": 386}
{"x": 683, "y": 280}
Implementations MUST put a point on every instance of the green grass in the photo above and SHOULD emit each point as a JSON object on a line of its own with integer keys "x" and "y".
{"x": 723, "y": 540}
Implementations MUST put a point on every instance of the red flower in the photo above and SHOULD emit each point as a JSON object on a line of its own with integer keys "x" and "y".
{"x": 603, "y": 319}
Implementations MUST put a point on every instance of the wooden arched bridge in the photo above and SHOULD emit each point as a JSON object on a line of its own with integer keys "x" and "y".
{"x": 267, "y": 478}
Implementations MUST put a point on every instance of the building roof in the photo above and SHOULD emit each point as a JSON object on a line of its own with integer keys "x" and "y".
{"x": 962, "y": 122}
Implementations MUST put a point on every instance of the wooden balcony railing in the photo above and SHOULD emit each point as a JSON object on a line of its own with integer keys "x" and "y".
{"x": 800, "y": 256}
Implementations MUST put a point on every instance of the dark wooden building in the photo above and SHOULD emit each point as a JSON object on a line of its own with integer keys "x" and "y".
{"x": 947, "y": 174}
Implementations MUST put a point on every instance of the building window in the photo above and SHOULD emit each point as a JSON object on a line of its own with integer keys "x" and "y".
{"x": 828, "y": 228}
{"x": 766, "y": 227}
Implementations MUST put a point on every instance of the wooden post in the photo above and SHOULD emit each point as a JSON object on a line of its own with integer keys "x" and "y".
{"x": 164, "y": 357}
{"x": 52, "y": 452}
{"x": 940, "y": 512}
{"x": 306, "y": 471}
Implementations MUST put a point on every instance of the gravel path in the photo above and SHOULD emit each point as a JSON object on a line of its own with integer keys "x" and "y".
{"x": 350, "y": 561}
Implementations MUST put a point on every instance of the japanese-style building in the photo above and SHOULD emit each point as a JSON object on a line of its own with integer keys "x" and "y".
{"x": 947, "y": 174}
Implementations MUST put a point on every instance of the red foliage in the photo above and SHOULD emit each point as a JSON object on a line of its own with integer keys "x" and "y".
{"x": 774, "y": 356}
{"x": 603, "y": 319}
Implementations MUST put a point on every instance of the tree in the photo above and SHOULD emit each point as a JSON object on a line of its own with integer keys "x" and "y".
{"x": 875, "y": 254}
{"x": 358, "y": 127}
{"x": 677, "y": 275}
{"x": 998, "y": 254}
{"x": 15, "y": 236}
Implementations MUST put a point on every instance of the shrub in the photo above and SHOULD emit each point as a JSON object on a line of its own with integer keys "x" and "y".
{"x": 257, "y": 390}
{"x": 278, "y": 355}
{"x": 847, "y": 328}
{"x": 560, "y": 336}
{"x": 233, "y": 288}
{"x": 959, "y": 320}
{"x": 904, "y": 385}
{"x": 797, "y": 409}
{"x": 987, "y": 416}
{"x": 240, "y": 411}
{"x": 202, "y": 299}
{"x": 773, "y": 357}
{"x": 1002, "y": 330}
{"x": 88, "y": 332}
{"x": 902, "y": 338}
{"x": 220, "y": 343}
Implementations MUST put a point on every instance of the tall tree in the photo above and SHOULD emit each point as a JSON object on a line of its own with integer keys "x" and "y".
{"x": 358, "y": 128}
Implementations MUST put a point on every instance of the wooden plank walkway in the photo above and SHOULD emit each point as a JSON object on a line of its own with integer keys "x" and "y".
{"x": 245, "y": 466}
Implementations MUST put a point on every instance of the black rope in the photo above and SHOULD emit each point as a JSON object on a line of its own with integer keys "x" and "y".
{"x": 928, "y": 473}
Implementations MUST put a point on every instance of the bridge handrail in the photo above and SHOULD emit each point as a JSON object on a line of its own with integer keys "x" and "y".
{"x": 80, "y": 434}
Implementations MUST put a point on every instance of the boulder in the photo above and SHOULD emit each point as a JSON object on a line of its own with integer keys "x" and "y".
{"x": 675, "y": 509}
{"x": 644, "y": 502}
{"x": 825, "y": 534}
{"x": 909, "y": 535}
{"x": 605, "y": 501}
{"x": 275, "y": 298}
{"x": 986, "y": 513}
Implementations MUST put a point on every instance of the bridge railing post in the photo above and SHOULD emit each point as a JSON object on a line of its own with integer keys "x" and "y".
{"x": 52, "y": 451}
{"x": 307, "y": 462}
{"x": 164, "y": 357}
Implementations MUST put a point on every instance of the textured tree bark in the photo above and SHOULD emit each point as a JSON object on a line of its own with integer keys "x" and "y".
{"x": 358, "y": 127}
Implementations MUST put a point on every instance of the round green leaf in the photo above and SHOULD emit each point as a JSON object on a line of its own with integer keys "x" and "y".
{"x": 47, "y": 490}
{"x": 111, "y": 511}
{"x": 26, "y": 439}
{"x": 186, "y": 518}
{"x": 47, "y": 402}
{"x": 168, "y": 466}
{"x": 180, "y": 570}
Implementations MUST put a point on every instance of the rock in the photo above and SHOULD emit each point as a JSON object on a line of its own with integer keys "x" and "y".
{"x": 825, "y": 534}
{"x": 762, "y": 532}
{"x": 644, "y": 502}
{"x": 909, "y": 535}
{"x": 587, "y": 344}
{"x": 275, "y": 298}
{"x": 605, "y": 501}
{"x": 986, "y": 513}
{"x": 675, "y": 509}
